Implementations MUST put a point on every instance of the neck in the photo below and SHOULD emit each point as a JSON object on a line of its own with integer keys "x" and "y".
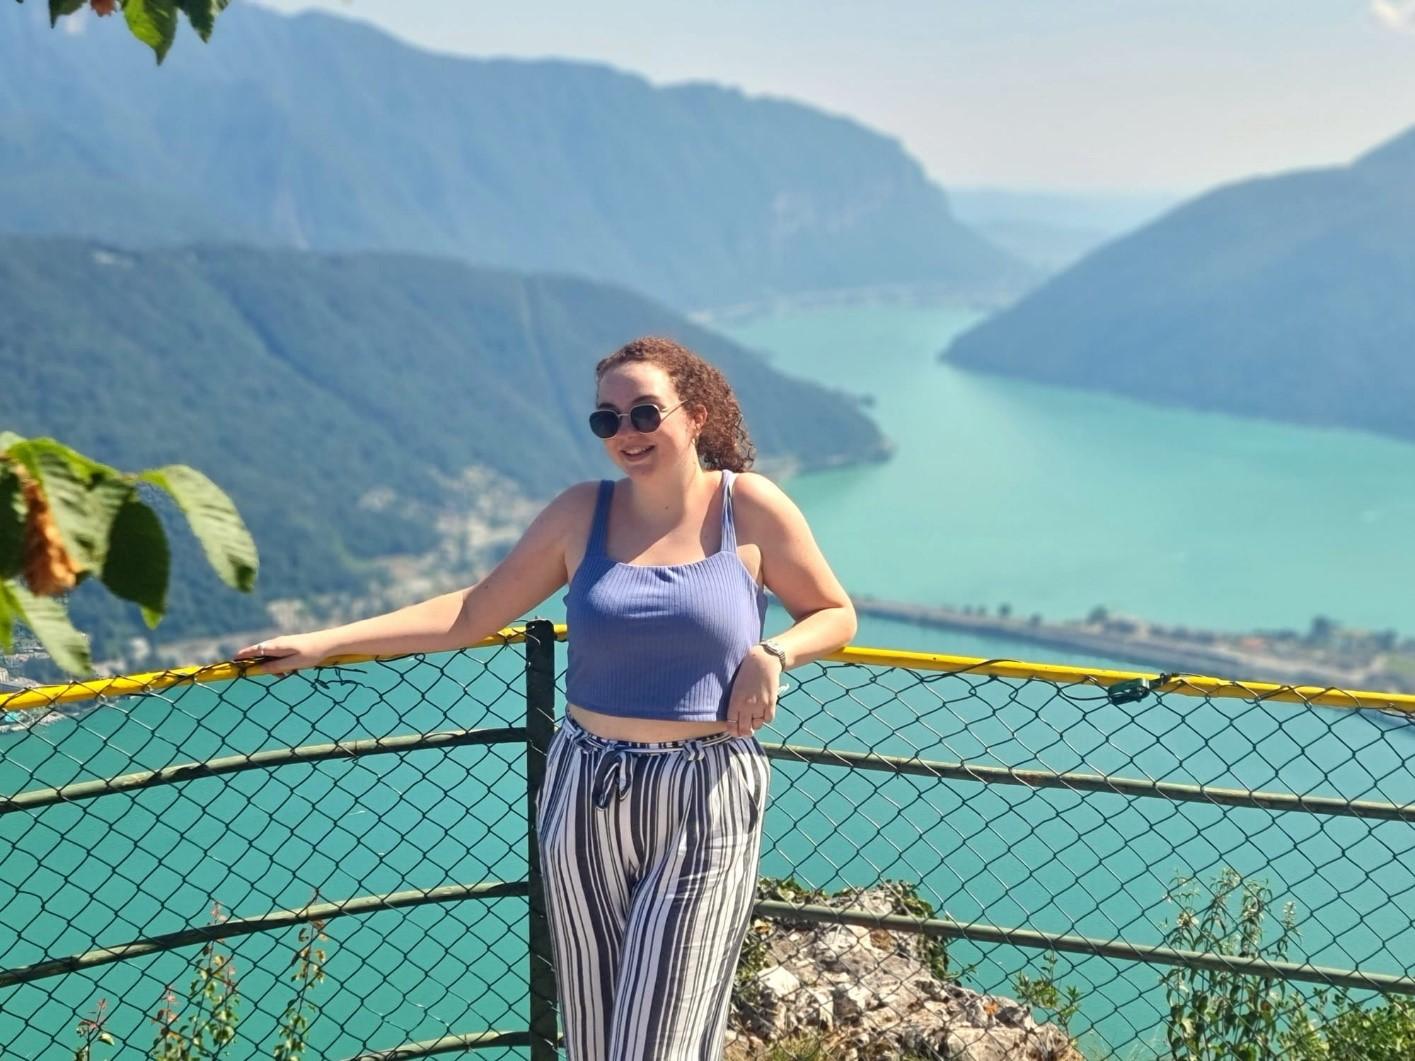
{"x": 666, "y": 498}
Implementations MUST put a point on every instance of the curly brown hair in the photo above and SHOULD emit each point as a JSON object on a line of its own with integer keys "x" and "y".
{"x": 724, "y": 442}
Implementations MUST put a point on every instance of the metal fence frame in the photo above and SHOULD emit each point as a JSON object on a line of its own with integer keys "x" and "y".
{"x": 539, "y": 637}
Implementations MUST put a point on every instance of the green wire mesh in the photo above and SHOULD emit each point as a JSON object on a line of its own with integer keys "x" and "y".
{"x": 1057, "y": 845}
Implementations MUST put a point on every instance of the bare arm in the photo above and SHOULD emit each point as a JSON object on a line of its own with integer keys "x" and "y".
{"x": 794, "y": 569}
{"x": 533, "y": 570}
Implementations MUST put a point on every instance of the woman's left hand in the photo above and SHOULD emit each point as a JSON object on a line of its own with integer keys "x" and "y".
{"x": 754, "y": 692}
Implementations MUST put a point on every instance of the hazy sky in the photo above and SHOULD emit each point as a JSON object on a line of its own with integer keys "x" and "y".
{"x": 1077, "y": 94}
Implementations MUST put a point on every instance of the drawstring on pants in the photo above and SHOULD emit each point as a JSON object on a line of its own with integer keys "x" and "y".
{"x": 612, "y": 774}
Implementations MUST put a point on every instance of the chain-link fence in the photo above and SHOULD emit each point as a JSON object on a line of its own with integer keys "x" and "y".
{"x": 960, "y": 856}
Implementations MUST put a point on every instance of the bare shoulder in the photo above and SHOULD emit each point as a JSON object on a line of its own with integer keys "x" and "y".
{"x": 757, "y": 498}
{"x": 578, "y": 495}
{"x": 573, "y": 506}
{"x": 792, "y": 564}
{"x": 558, "y": 533}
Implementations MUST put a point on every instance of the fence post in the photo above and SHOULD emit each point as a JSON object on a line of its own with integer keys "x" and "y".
{"x": 540, "y": 727}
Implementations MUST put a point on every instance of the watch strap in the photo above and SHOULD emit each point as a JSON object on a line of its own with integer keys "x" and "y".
{"x": 775, "y": 648}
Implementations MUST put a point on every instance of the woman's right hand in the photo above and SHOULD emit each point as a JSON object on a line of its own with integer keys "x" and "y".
{"x": 288, "y": 653}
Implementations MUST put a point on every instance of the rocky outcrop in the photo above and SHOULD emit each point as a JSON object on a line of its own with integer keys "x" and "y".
{"x": 855, "y": 993}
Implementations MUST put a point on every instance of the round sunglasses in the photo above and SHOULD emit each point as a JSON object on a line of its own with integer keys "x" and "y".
{"x": 646, "y": 417}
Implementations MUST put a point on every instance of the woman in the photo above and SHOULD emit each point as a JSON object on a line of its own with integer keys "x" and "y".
{"x": 649, "y": 819}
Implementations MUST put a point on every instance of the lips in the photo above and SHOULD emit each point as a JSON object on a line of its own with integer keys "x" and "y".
{"x": 635, "y": 454}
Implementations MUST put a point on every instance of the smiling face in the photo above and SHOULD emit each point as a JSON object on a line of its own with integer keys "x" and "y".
{"x": 641, "y": 453}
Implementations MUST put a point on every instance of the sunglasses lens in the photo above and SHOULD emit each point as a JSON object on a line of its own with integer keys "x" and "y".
{"x": 644, "y": 417}
{"x": 604, "y": 423}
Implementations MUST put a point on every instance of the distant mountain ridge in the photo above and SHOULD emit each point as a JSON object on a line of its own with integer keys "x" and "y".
{"x": 1284, "y": 297}
{"x": 344, "y": 400}
{"x": 324, "y": 133}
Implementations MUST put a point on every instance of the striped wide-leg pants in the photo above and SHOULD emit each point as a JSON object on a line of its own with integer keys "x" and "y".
{"x": 649, "y": 857}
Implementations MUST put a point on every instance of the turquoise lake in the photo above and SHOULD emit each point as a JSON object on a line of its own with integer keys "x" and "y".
{"x": 1055, "y": 499}
{"x": 1048, "y": 499}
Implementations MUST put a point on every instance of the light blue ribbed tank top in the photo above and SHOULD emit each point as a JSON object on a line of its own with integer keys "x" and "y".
{"x": 660, "y": 641}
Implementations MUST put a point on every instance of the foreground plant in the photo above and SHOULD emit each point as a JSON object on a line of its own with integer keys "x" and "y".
{"x": 65, "y": 517}
{"x": 1223, "y": 1014}
{"x": 211, "y": 1025}
{"x": 1060, "y": 1004}
{"x": 1239, "y": 1016}
{"x": 308, "y": 964}
{"x": 90, "y": 1031}
{"x": 154, "y": 22}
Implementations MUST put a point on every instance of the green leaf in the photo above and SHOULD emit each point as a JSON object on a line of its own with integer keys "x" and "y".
{"x": 83, "y": 495}
{"x": 12, "y": 522}
{"x": 139, "y": 561}
{"x": 202, "y": 14}
{"x": 214, "y": 520}
{"x": 8, "y": 609}
{"x": 49, "y": 620}
{"x": 154, "y": 22}
{"x": 8, "y": 439}
{"x": 59, "y": 8}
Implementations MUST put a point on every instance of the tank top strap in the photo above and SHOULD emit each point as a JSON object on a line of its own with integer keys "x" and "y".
{"x": 599, "y": 528}
{"x": 729, "y": 525}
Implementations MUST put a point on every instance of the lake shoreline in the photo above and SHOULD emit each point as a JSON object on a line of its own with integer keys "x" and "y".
{"x": 1226, "y": 656}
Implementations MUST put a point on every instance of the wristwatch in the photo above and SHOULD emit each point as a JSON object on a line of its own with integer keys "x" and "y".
{"x": 773, "y": 646}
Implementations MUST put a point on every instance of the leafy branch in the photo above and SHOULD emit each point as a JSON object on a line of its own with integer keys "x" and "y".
{"x": 154, "y": 22}
{"x": 65, "y": 517}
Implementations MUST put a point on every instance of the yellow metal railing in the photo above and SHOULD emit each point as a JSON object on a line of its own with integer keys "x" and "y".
{"x": 1034, "y": 811}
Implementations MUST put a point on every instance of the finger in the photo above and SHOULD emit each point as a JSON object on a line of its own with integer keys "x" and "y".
{"x": 733, "y": 714}
{"x": 750, "y": 722}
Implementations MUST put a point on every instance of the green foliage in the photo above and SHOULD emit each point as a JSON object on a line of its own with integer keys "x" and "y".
{"x": 1235, "y": 1016}
{"x": 212, "y": 1017}
{"x": 65, "y": 516}
{"x": 1290, "y": 287}
{"x": 210, "y": 1025}
{"x": 154, "y": 22}
{"x": 1061, "y": 1004}
{"x": 1222, "y": 1014}
{"x": 202, "y": 14}
{"x": 932, "y": 949}
{"x": 1384, "y": 1032}
{"x": 90, "y": 1030}
{"x": 302, "y": 383}
{"x": 308, "y": 965}
{"x": 49, "y": 620}
{"x": 695, "y": 195}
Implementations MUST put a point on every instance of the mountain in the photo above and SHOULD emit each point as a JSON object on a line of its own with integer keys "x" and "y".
{"x": 356, "y": 407}
{"x": 1053, "y": 229}
{"x": 1285, "y": 297}
{"x": 323, "y": 133}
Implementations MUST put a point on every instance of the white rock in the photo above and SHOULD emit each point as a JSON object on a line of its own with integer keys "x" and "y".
{"x": 778, "y": 982}
{"x": 816, "y": 1008}
{"x": 842, "y": 947}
